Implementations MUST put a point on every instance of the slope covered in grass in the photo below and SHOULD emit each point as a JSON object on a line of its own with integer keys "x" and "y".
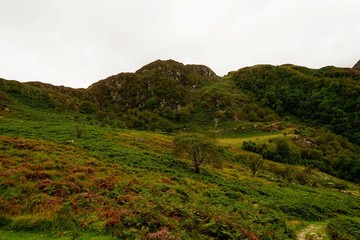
{"x": 73, "y": 163}
{"x": 128, "y": 184}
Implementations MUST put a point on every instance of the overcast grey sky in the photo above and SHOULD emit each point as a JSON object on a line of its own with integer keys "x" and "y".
{"x": 78, "y": 42}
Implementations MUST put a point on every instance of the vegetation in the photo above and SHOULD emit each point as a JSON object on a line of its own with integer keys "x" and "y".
{"x": 255, "y": 163}
{"x": 328, "y": 96}
{"x": 315, "y": 152}
{"x": 199, "y": 148}
{"x": 117, "y": 160}
{"x": 344, "y": 228}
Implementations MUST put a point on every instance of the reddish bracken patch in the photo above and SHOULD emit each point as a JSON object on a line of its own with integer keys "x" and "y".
{"x": 249, "y": 235}
{"x": 58, "y": 188}
{"x": 166, "y": 180}
{"x": 162, "y": 234}
{"x": 114, "y": 216}
{"x": 44, "y": 183}
{"x": 125, "y": 198}
{"x": 34, "y": 175}
{"x": 106, "y": 183}
{"x": 90, "y": 194}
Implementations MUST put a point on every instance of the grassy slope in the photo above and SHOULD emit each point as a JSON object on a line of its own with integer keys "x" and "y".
{"x": 258, "y": 138}
{"x": 15, "y": 235}
{"x": 128, "y": 184}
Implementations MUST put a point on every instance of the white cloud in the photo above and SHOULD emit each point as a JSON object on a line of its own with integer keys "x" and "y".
{"x": 78, "y": 42}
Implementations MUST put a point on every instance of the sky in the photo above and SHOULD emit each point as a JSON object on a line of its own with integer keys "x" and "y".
{"x": 78, "y": 42}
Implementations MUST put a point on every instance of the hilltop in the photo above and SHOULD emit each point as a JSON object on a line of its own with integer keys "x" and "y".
{"x": 101, "y": 162}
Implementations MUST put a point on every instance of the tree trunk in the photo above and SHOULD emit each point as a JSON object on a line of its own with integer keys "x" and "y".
{"x": 197, "y": 168}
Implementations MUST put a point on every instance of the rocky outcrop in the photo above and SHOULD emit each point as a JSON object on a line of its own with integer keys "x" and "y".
{"x": 158, "y": 85}
{"x": 190, "y": 74}
{"x": 357, "y": 66}
{"x": 202, "y": 70}
{"x": 168, "y": 68}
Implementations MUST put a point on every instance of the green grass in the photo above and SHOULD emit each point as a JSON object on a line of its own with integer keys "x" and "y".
{"x": 128, "y": 184}
{"x": 344, "y": 228}
{"x": 12, "y": 235}
{"x": 258, "y": 138}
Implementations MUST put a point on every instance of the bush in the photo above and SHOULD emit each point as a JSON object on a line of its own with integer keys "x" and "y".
{"x": 303, "y": 211}
{"x": 4, "y": 221}
{"x": 79, "y": 131}
{"x": 286, "y": 172}
{"x": 344, "y": 229}
{"x": 302, "y": 177}
{"x": 87, "y": 107}
{"x": 31, "y": 224}
{"x": 349, "y": 169}
{"x": 4, "y": 100}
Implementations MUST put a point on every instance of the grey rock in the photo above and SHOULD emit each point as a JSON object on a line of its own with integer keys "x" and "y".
{"x": 357, "y": 66}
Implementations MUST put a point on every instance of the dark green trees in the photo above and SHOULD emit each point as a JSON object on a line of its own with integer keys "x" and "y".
{"x": 327, "y": 97}
{"x": 349, "y": 169}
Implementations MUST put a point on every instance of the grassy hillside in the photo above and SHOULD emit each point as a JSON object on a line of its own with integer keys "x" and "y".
{"x": 73, "y": 165}
{"x": 128, "y": 184}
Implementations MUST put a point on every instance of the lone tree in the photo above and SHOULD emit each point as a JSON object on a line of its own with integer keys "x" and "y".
{"x": 255, "y": 164}
{"x": 198, "y": 147}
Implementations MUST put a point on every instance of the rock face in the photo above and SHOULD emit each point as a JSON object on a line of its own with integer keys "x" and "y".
{"x": 168, "y": 68}
{"x": 357, "y": 66}
{"x": 158, "y": 85}
{"x": 202, "y": 70}
{"x": 179, "y": 71}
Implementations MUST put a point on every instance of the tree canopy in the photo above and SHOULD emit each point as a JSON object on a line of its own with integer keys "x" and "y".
{"x": 198, "y": 147}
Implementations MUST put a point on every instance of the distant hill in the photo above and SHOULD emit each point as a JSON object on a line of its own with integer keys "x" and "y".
{"x": 160, "y": 84}
{"x": 173, "y": 93}
{"x": 328, "y": 96}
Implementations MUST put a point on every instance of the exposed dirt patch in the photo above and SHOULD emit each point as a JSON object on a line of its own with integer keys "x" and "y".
{"x": 312, "y": 232}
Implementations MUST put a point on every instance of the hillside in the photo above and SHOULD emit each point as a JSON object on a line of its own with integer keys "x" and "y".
{"x": 357, "y": 66}
{"x": 99, "y": 163}
{"x": 325, "y": 97}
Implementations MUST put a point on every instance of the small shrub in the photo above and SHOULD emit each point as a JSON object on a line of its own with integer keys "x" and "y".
{"x": 4, "y": 220}
{"x": 301, "y": 177}
{"x": 256, "y": 164}
{"x": 302, "y": 211}
{"x": 344, "y": 229}
{"x": 87, "y": 107}
{"x": 283, "y": 171}
{"x": 79, "y": 131}
{"x": 31, "y": 224}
